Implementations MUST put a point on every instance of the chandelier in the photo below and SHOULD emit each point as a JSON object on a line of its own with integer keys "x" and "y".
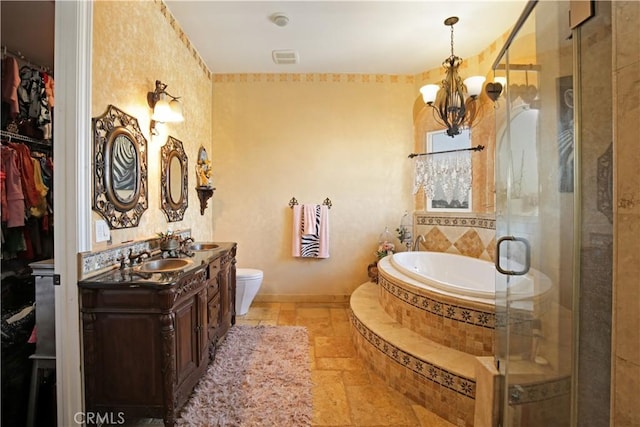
{"x": 453, "y": 101}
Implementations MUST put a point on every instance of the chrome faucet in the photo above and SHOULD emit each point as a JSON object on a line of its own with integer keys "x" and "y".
{"x": 416, "y": 243}
{"x": 135, "y": 258}
{"x": 184, "y": 247}
{"x": 185, "y": 241}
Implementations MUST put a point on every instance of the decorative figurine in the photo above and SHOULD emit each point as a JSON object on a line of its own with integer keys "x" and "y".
{"x": 203, "y": 169}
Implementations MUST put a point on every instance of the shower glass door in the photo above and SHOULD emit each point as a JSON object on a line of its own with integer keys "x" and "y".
{"x": 535, "y": 220}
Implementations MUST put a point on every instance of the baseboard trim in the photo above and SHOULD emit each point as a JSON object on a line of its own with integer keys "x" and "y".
{"x": 302, "y": 298}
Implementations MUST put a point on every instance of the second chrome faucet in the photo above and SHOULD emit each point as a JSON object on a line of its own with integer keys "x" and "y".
{"x": 416, "y": 243}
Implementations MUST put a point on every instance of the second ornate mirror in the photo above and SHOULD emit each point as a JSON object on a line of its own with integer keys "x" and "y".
{"x": 173, "y": 180}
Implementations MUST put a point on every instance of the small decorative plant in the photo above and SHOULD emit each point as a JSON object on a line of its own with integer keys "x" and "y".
{"x": 403, "y": 233}
{"x": 168, "y": 241}
{"x": 384, "y": 249}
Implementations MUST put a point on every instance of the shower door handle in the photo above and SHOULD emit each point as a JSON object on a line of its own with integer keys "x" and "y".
{"x": 527, "y": 256}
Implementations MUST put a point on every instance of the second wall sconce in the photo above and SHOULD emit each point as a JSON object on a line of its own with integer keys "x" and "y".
{"x": 164, "y": 110}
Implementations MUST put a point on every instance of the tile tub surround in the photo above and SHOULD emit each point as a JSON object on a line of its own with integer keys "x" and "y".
{"x": 445, "y": 380}
{"x": 472, "y": 234}
{"x": 437, "y": 377}
{"x": 462, "y": 325}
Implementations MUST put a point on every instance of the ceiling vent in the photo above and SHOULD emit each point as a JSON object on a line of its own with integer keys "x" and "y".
{"x": 285, "y": 56}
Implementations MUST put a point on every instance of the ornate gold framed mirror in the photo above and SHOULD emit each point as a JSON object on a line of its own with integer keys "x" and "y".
{"x": 173, "y": 180}
{"x": 120, "y": 168}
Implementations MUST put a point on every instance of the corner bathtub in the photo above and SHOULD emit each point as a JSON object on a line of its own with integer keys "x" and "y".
{"x": 461, "y": 276}
{"x": 451, "y": 299}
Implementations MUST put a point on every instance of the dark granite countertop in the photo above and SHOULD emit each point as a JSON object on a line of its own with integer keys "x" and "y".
{"x": 135, "y": 277}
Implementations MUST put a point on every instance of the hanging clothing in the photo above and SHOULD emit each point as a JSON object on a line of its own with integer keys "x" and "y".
{"x": 26, "y": 177}
{"x": 25, "y": 166}
{"x": 3, "y": 195}
{"x": 10, "y": 83}
{"x": 40, "y": 209}
{"x": 49, "y": 87}
{"x": 13, "y": 189}
{"x": 33, "y": 100}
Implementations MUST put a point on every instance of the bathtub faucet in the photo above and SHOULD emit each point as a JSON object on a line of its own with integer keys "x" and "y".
{"x": 416, "y": 243}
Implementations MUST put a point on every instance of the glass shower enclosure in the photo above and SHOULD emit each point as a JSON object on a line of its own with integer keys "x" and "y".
{"x": 535, "y": 219}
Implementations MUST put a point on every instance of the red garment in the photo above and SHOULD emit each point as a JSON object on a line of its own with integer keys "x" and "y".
{"x": 28, "y": 252}
{"x": 12, "y": 189}
{"x": 3, "y": 196}
{"x": 10, "y": 83}
{"x": 48, "y": 87}
{"x": 26, "y": 174}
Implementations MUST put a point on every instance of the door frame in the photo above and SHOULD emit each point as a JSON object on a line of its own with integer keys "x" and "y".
{"x": 72, "y": 201}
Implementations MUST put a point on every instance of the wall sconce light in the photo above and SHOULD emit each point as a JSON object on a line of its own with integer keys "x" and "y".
{"x": 451, "y": 108}
{"x": 164, "y": 110}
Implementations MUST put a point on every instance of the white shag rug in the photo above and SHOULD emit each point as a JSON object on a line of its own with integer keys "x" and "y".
{"x": 260, "y": 377}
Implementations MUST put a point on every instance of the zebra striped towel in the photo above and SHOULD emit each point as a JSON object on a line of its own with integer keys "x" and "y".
{"x": 310, "y": 240}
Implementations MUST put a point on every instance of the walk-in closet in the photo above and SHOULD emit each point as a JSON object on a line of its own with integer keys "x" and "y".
{"x": 26, "y": 177}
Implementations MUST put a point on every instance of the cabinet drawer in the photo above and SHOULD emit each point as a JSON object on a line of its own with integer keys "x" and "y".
{"x": 213, "y": 315}
{"x": 213, "y": 286}
{"x": 214, "y": 269}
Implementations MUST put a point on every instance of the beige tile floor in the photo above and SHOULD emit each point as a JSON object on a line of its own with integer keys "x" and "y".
{"x": 345, "y": 392}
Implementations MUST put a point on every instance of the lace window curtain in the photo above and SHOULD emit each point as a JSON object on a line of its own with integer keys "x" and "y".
{"x": 445, "y": 178}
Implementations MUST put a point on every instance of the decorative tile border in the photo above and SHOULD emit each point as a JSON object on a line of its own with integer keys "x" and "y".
{"x": 183, "y": 37}
{"x": 459, "y": 384}
{"x": 455, "y": 221}
{"x": 460, "y": 313}
{"x": 314, "y": 78}
{"x": 520, "y": 394}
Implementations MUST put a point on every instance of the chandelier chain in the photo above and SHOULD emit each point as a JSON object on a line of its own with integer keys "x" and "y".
{"x": 452, "y": 40}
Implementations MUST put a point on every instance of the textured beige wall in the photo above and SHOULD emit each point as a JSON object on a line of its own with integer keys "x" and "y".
{"x": 626, "y": 292}
{"x": 136, "y": 43}
{"x": 274, "y": 137}
{"x": 310, "y": 136}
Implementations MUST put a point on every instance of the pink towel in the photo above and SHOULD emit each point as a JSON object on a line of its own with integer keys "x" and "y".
{"x": 296, "y": 232}
{"x": 310, "y": 241}
{"x": 323, "y": 234}
{"x": 309, "y": 219}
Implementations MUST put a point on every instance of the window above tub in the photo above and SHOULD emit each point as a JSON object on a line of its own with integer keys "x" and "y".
{"x": 446, "y": 178}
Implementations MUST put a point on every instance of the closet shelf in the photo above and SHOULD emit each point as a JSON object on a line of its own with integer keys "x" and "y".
{"x": 16, "y": 136}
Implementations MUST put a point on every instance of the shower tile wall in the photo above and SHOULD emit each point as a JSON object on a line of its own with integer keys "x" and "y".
{"x": 472, "y": 235}
{"x": 596, "y": 250}
{"x": 626, "y": 183}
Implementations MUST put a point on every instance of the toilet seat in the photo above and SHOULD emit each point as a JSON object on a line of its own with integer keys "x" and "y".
{"x": 248, "y": 273}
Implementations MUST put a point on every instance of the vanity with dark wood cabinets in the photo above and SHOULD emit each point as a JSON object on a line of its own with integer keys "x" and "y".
{"x": 148, "y": 337}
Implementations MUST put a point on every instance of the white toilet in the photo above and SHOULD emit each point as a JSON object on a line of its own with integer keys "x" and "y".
{"x": 248, "y": 281}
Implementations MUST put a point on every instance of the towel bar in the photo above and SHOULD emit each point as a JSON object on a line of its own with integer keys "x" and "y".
{"x": 326, "y": 202}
